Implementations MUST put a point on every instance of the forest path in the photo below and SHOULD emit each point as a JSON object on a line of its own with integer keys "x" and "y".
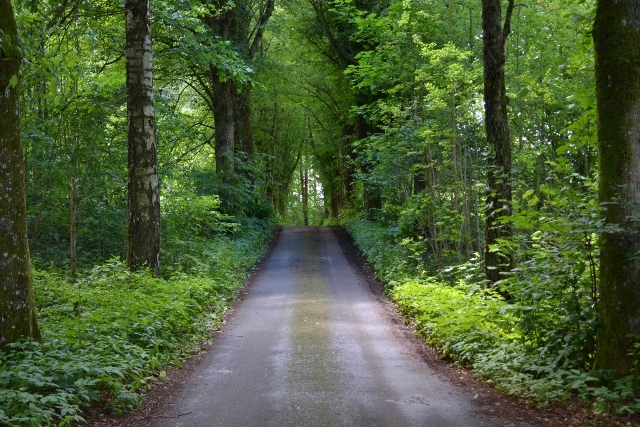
{"x": 311, "y": 346}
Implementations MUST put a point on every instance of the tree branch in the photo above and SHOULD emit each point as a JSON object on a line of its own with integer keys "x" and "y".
{"x": 262, "y": 23}
{"x": 507, "y": 26}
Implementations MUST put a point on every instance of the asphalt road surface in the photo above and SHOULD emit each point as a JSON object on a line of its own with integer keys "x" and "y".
{"x": 310, "y": 346}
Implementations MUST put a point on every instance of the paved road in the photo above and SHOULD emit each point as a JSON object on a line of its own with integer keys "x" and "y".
{"x": 310, "y": 347}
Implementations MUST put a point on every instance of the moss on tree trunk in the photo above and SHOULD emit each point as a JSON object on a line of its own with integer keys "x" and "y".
{"x": 17, "y": 310}
{"x": 616, "y": 35}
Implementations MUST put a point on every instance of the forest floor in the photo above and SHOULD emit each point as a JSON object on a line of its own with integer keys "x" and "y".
{"x": 161, "y": 405}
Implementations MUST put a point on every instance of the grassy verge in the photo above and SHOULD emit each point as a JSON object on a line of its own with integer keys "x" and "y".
{"x": 464, "y": 321}
{"x": 114, "y": 332}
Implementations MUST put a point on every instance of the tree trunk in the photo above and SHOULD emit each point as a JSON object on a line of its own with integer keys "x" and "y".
{"x": 243, "y": 121}
{"x": 616, "y": 34}
{"x": 17, "y": 308}
{"x": 476, "y": 194}
{"x": 223, "y": 109}
{"x": 498, "y": 199}
{"x": 334, "y": 206}
{"x": 304, "y": 189}
{"x": 224, "y": 92}
{"x": 348, "y": 133}
{"x": 243, "y": 112}
{"x": 143, "y": 218}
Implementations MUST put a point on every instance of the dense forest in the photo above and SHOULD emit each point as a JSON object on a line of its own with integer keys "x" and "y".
{"x": 484, "y": 155}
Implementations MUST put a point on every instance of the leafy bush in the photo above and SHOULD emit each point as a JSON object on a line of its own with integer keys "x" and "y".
{"x": 193, "y": 215}
{"x": 242, "y": 197}
{"x": 555, "y": 284}
{"x": 392, "y": 263}
{"x": 463, "y": 321}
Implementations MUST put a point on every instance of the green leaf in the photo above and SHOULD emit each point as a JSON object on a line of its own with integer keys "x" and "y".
{"x": 523, "y": 92}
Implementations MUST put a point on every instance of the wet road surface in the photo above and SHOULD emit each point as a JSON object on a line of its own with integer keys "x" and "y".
{"x": 310, "y": 346}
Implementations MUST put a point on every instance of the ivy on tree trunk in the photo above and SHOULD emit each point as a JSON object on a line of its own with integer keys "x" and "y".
{"x": 143, "y": 218}
{"x": 498, "y": 199}
{"x": 616, "y": 35}
{"x": 17, "y": 309}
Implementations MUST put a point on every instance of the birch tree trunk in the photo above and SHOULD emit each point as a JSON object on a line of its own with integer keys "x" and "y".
{"x": 17, "y": 309}
{"x": 498, "y": 199}
{"x": 616, "y": 35}
{"x": 143, "y": 218}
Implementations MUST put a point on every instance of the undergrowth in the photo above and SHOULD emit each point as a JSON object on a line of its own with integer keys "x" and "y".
{"x": 114, "y": 332}
{"x": 457, "y": 315}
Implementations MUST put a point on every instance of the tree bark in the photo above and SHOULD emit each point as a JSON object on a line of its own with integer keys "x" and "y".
{"x": 265, "y": 15}
{"x": 232, "y": 106}
{"x": 498, "y": 198}
{"x": 143, "y": 218}
{"x": 244, "y": 121}
{"x": 243, "y": 111}
{"x": 17, "y": 308}
{"x": 224, "y": 92}
{"x": 304, "y": 189}
{"x": 616, "y": 35}
{"x": 223, "y": 116}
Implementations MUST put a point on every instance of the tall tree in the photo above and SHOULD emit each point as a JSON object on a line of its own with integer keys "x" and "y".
{"x": 334, "y": 35}
{"x": 616, "y": 35}
{"x": 17, "y": 309}
{"x": 243, "y": 112}
{"x": 143, "y": 218}
{"x": 231, "y": 101}
{"x": 498, "y": 201}
{"x": 223, "y": 97}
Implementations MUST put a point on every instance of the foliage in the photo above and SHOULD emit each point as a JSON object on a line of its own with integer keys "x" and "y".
{"x": 195, "y": 216}
{"x": 428, "y": 157}
{"x": 114, "y": 332}
{"x": 555, "y": 286}
{"x": 534, "y": 345}
{"x": 74, "y": 116}
{"x": 464, "y": 321}
{"x": 392, "y": 263}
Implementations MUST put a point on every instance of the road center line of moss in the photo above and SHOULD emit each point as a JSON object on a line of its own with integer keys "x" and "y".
{"x": 314, "y": 380}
